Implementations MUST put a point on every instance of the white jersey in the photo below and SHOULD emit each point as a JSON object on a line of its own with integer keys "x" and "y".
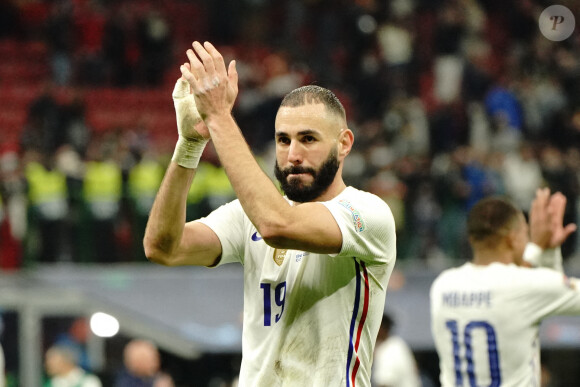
{"x": 312, "y": 319}
{"x": 395, "y": 365}
{"x": 485, "y": 321}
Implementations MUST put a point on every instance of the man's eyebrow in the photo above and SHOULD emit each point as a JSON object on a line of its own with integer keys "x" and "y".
{"x": 304, "y": 132}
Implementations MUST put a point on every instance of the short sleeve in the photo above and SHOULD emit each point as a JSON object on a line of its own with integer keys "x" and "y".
{"x": 367, "y": 226}
{"x": 227, "y": 222}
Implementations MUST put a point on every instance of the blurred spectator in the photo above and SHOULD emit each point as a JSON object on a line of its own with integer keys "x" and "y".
{"x": 142, "y": 366}
{"x": 76, "y": 338}
{"x": 116, "y": 48}
{"x": 61, "y": 363}
{"x": 155, "y": 47}
{"x": 60, "y": 37}
{"x": 102, "y": 190}
{"x": 47, "y": 239}
{"x": 73, "y": 122}
{"x": 90, "y": 22}
{"x": 506, "y": 117}
{"x": 394, "y": 364}
{"x": 452, "y": 191}
{"x": 522, "y": 175}
{"x": 43, "y": 131}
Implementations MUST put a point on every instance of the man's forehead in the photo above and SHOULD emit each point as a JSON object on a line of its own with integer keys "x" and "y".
{"x": 314, "y": 117}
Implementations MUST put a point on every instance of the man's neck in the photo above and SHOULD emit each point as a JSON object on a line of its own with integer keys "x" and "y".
{"x": 487, "y": 257}
{"x": 333, "y": 191}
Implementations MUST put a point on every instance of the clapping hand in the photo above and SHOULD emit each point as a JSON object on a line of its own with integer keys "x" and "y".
{"x": 215, "y": 89}
{"x": 546, "y": 219}
{"x": 189, "y": 122}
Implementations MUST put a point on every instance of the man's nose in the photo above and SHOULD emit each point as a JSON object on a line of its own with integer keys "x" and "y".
{"x": 295, "y": 153}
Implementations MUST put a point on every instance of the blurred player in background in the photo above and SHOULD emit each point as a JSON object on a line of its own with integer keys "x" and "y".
{"x": 486, "y": 314}
{"x": 394, "y": 364}
{"x": 316, "y": 262}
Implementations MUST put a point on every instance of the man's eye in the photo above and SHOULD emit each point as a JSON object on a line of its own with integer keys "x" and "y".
{"x": 308, "y": 139}
{"x": 283, "y": 140}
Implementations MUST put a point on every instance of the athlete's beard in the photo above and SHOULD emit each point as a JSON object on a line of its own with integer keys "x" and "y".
{"x": 299, "y": 192}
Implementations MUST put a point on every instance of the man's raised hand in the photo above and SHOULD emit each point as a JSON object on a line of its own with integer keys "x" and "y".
{"x": 189, "y": 122}
{"x": 193, "y": 132}
{"x": 546, "y": 219}
{"x": 215, "y": 89}
{"x": 556, "y": 209}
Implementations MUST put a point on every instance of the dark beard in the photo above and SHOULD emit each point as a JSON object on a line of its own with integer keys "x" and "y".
{"x": 296, "y": 191}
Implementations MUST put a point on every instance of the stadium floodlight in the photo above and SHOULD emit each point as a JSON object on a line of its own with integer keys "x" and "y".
{"x": 104, "y": 325}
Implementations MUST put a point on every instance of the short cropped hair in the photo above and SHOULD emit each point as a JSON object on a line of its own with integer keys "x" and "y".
{"x": 314, "y": 94}
{"x": 491, "y": 217}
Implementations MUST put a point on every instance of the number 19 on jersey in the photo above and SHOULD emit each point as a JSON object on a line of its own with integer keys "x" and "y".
{"x": 279, "y": 299}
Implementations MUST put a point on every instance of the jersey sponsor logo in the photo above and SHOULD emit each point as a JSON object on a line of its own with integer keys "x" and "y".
{"x": 300, "y": 255}
{"x": 357, "y": 219}
{"x": 256, "y": 237}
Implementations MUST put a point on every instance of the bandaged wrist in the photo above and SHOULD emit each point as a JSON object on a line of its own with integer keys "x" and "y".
{"x": 533, "y": 254}
{"x": 188, "y": 152}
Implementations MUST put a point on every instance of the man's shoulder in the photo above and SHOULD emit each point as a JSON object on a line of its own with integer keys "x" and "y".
{"x": 361, "y": 198}
{"x": 495, "y": 274}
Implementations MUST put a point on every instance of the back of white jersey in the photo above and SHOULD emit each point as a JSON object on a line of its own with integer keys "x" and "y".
{"x": 485, "y": 322}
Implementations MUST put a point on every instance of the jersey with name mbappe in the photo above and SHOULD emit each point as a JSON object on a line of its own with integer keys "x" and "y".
{"x": 485, "y": 321}
{"x": 311, "y": 319}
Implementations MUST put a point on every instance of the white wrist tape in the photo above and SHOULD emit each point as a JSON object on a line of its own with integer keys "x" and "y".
{"x": 533, "y": 254}
{"x": 190, "y": 145}
{"x": 188, "y": 152}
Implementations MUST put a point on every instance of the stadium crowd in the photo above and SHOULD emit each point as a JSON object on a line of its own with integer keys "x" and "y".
{"x": 450, "y": 101}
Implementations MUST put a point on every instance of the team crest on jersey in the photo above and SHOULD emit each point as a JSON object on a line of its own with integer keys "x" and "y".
{"x": 357, "y": 219}
{"x": 279, "y": 255}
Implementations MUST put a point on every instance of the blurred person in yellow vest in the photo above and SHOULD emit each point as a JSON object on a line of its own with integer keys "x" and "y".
{"x": 212, "y": 188}
{"x": 48, "y": 210}
{"x": 143, "y": 182}
{"x": 102, "y": 190}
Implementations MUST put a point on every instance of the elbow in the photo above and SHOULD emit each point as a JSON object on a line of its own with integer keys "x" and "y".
{"x": 155, "y": 254}
{"x": 274, "y": 236}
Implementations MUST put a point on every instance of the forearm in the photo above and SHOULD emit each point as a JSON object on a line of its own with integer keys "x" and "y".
{"x": 167, "y": 218}
{"x": 259, "y": 197}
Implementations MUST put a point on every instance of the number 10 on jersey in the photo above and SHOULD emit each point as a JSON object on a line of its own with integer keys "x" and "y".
{"x": 279, "y": 299}
{"x": 493, "y": 355}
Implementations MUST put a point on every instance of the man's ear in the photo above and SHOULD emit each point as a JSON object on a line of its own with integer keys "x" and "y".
{"x": 510, "y": 239}
{"x": 345, "y": 142}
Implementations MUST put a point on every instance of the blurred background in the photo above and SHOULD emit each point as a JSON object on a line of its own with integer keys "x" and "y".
{"x": 449, "y": 100}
